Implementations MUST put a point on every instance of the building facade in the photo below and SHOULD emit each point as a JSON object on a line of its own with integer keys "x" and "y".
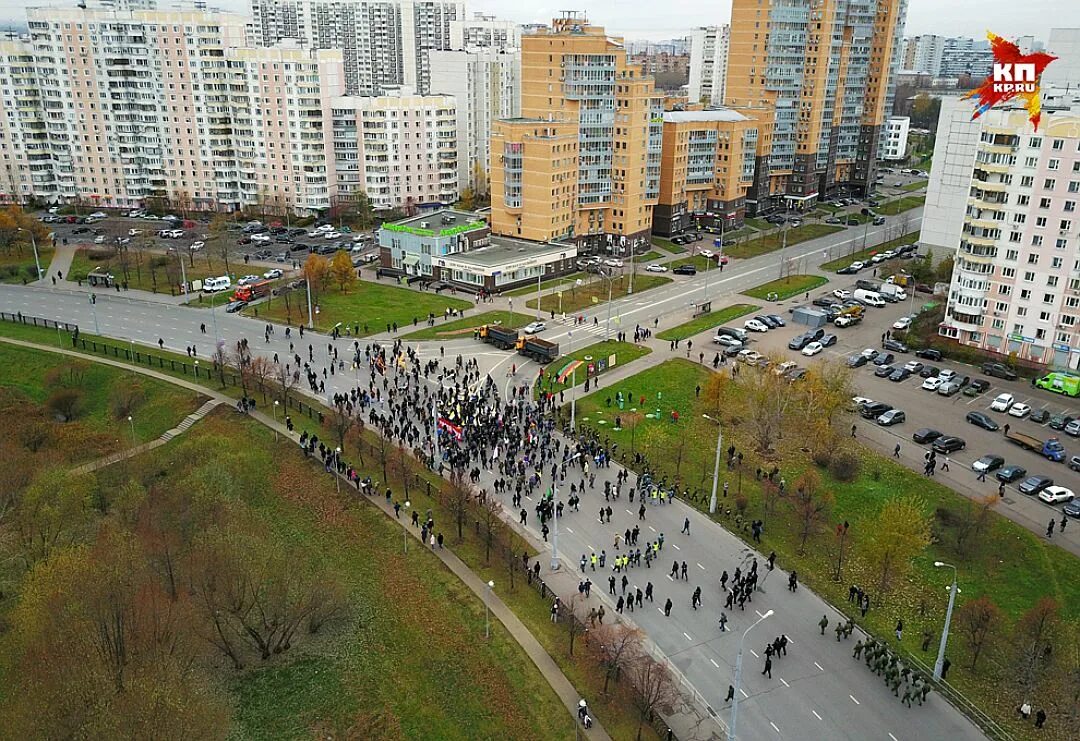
{"x": 399, "y": 149}
{"x": 484, "y": 32}
{"x": 708, "y": 64}
{"x": 1065, "y": 45}
{"x": 599, "y": 122}
{"x": 963, "y": 56}
{"x": 1004, "y": 199}
{"x": 896, "y": 135}
{"x": 28, "y": 170}
{"x": 384, "y": 43}
{"x": 827, "y": 68}
{"x": 486, "y": 84}
{"x": 922, "y": 54}
{"x": 706, "y": 169}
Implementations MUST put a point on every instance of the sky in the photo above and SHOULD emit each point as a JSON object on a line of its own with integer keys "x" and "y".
{"x": 648, "y": 19}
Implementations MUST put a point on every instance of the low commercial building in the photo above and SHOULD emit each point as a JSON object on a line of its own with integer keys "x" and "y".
{"x": 457, "y": 247}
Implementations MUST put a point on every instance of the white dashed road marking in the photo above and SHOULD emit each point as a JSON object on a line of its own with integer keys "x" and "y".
{"x": 815, "y": 714}
{"x": 853, "y": 699}
{"x": 701, "y": 567}
{"x": 687, "y": 636}
{"x": 676, "y": 547}
{"x": 743, "y": 692}
{"x": 894, "y": 738}
{"x": 569, "y": 531}
{"x": 754, "y": 653}
{"x": 774, "y": 726}
{"x": 714, "y": 663}
{"x": 819, "y": 666}
{"x": 784, "y": 682}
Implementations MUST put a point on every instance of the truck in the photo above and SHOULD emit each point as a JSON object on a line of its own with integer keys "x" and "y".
{"x": 1051, "y": 448}
{"x": 892, "y": 291}
{"x": 252, "y": 291}
{"x": 500, "y": 337}
{"x": 1060, "y": 383}
{"x": 537, "y": 349}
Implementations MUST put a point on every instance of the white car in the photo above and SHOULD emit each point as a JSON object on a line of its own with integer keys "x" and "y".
{"x": 1056, "y": 495}
{"x": 727, "y": 341}
{"x": 260, "y": 239}
{"x": 812, "y": 349}
{"x": 323, "y": 228}
{"x": 99, "y": 239}
{"x": 247, "y": 279}
{"x": 273, "y": 273}
{"x": 858, "y": 265}
{"x": 876, "y": 259}
{"x": 750, "y": 357}
{"x": 534, "y": 327}
{"x": 1019, "y": 410}
{"x": 785, "y": 367}
{"x": 932, "y": 383}
{"x": 902, "y": 323}
{"x": 706, "y": 253}
{"x": 613, "y": 263}
{"x": 1002, "y": 403}
{"x": 327, "y": 235}
{"x": 861, "y": 400}
{"x": 196, "y": 246}
{"x": 841, "y": 294}
{"x": 888, "y": 254}
{"x": 133, "y": 232}
{"x": 655, "y": 268}
{"x": 99, "y": 215}
{"x": 755, "y": 326}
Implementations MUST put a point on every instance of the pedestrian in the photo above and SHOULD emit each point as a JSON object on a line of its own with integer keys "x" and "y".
{"x": 899, "y": 630}
{"x": 927, "y": 636}
{"x": 695, "y": 600}
{"x": 686, "y": 526}
{"x": 648, "y": 591}
{"x": 768, "y": 667}
{"x": 1050, "y": 528}
{"x": 1061, "y": 526}
{"x": 853, "y": 430}
{"x": 1040, "y": 718}
{"x": 793, "y": 581}
{"x": 730, "y": 693}
{"x": 723, "y": 622}
{"x": 896, "y": 451}
{"x": 945, "y": 464}
{"x": 667, "y": 608}
{"x": 555, "y": 611}
{"x": 858, "y": 649}
{"x": 823, "y": 624}
{"x": 1025, "y": 710}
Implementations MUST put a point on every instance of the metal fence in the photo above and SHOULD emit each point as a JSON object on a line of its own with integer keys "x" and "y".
{"x": 987, "y": 724}
{"x": 36, "y": 321}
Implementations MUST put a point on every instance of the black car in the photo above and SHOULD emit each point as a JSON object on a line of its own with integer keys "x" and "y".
{"x": 895, "y": 346}
{"x": 925, "y": 435}
{"x": 857, "y": 361}
{"x": 798, "y": 342}
{"x": 1058, "y": 421}
{"x": 928, "y": 353}
{"x": 883, "y": 371}
{"x": 1039, "y": 416}
{"x": 298, "y": 232}
{"x": 234, "y": 306}
{"x": 827, "y": 340}
{"x": 852, "y": 221}
{"x": 948, "y": 444}
{"x": 928, "y": 371}
{"x": 900, "y": 374}
{"x": 283, "y": 239}
{"x": 779, "y": 320}
{"x": 976, "y": 387}
{"x": 298, "y": 248}
{"x": 999, "y": 370}
{"x": 825, "y": 301}
{"x": 1032, "y": 485}
{"x": 849, "y": 270}
{"x": 1011, "y": 473}
{"x": 874, "y": 409}
{"x": 768, "y": 321}
{"x": 884, "y": 358}
{"x": 1072, "y": 509}
{"x": 982, "y": 420}
{"x": 685, "y": 270}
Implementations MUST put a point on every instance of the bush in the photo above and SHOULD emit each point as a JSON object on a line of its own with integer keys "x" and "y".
{"x": 844, "y": 466}
{"x": 822, "y": 457}
{"x": 99, "y": 255}
{"x": 125, "y": 399}
{"x": 65, "y": 403}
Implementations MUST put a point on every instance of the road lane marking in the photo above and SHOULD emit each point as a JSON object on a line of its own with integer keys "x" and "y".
{"x": 701, "y": 567}
{"x": 754, "y": 653}
{"x": 743, "y": 692}
{"x": 774, "y": 726}
{"x": 676, "y": 547}
{"x": 782, "y": 680}
{"x": 569, "y": 531}
{"x": 670, "y": 578}
{"x": 687, "y": 636}
{"x": 629, "y": 512}
{"x": 660, "y": 610}
{"x": 894, "y": 738}
{"x": 714, "y": 663}
{"x": 652, "y": 528}
{"x": 815, "y": 714}
{"x": 819, "y": 666}
{"x": 853, "y": 699}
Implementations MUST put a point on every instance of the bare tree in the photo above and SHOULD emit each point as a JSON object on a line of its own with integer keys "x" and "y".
{"x": 619, "y": 644}
{"x": 458, "y": 493}
{"x": 812, "y": 506}
{"x": 286, "y": 383}
{"x": 977, "y": 621}
{"x": 652, "y": 687}
{"x": 261, "y": 369}
{"x": 491, "y": 524}
{"x": 1033, "y": 640}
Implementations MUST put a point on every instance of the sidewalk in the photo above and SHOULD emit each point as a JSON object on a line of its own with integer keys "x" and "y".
{"x": 61, "y": 263}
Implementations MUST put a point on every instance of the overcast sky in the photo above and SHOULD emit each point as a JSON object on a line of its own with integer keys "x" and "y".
{"x": 649, "y": 19}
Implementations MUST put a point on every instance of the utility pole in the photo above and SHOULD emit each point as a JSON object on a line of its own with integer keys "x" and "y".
{"x": 716, "y": 463}
{"x": 738, "y": 678}
{"x": 939, "y": 664}
{"x": 310, "y": 317}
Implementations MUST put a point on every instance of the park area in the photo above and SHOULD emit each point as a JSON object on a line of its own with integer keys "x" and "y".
{"x": 144, "y": 270}
{"x": 591, "y": 361}
{"x": 846, "y": 515}
{"x": 706, "y": 321}
{"x": 786, "y": 287}
{"x": 574, "y": 298}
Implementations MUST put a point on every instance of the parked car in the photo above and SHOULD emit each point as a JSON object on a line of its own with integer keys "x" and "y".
{"x": 812, "y": 349}
{"x": 902, "y": 323}
{"x": 798, "y": 342}
{"x": 948, "y": 444}
{"x": 1073, "y": 428}
{"x": 1002, "y": 403}
{"x": 884, "y": 358}
{"x": 1032, "y": 485}
{"x": 750, "y": 357}
{"x": 1056, "y": 495}
{"x": 976, "y": 387}
{"x": 827, "y": 340}
{"x": 895, "y": 346}
{"x": 841, "y": 294}
{"x": 768, "y": 321}
{"x": 685, "y": 270}
{"x": 948, "y": 388}
{"x": 727, "y": 341}
{"x": 899, "y": 375}
{"x": 1059, "y": 421}
{"x": 932, "y": 383}
{"x": 1010, "y": 473}
{"x": 196, "y": 246}
{"x": 929, "y": 371}
{"x": 779, "y": 320}
{"x": 925, "y": 435}
{"x": 874, "y": 409}
{"x": 273, "y": 273}
{"x": 999, "y": 370}
{"x": 1019, "y": 410}
{"x": 891, "y": 417}
{"x": 928, "y": 353}
{"x": 1072, "y": 509}
{"x": 883, "y": 371}
{"x": 655, "y": 268}
{"x": 857, "y": 361}
{"x": 988, "y": 463}
{"x": 913, "y": 366}
{"x": 981, "y": 420}
{"x": 754, "y": 325}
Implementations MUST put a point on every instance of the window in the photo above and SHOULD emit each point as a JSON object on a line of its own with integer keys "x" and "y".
{"x": 1040, "y": 222}
{"x": 1008, "y": 272}
{"x": 1051, "y": 281}
{"x": 1023, "y": 200}
{"x": 1048, "y": 298}
{"x": 1053, "y": 164}
{"x": 1025, "y": 295}
{"x": 1029, "y": 277}
{"x": 1065, "y": 225}
{"x": 1036, "y": 240}
{"x": 1044, "y": 203}
{"x": 1049, "y": 184}
{"x": 1055, "y": 264}
{"x": 1058, "y": 144}
{"x": 1070, "y": 206}
{"x": 1033, "y": 259}
{"x": 1031, "y": 161}
{"x": 1026, "y": 181}
{"x": 1035, "y": 142}
{"x": 1060, "y": 243}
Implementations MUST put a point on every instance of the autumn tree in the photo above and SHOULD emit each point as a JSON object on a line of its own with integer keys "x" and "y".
{"x": 316, "y": 272}
{"x": 619, "y": 644}
{"x": 261, "y": 371}
{"x": 342, "y": 271}
{"x": 50, "y": 513}
{"x": 652, "y": 687}
{"x": 811, "y": 505}
{"x": 893, "y": 538}
{"x": 970, "y": 522}
{"x": 824, "y": 395}
{"x": 1033, "y": 640}
{"x": 491, "y": 524}
{"x": 977, "y": 621}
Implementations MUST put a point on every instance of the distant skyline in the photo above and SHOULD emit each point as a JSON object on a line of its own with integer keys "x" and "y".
{"x": 645, "y": 19}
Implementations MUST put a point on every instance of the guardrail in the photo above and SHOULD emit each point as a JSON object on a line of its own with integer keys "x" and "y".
{"x": 954, "y": 696}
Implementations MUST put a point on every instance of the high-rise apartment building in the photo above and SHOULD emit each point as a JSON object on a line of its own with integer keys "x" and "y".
{"x": 1003, "y": 198}
{"x": 827, "y": 68}
{"x": 486, "y": 84}
{"x": 706, "y": 168}
{"x": 1065, "y": 45}
{"x": 923, "y": 54}
{"x": 24, "y": 131}
{"x": 484, "y": 32}
{"x": 385, "y": 43}
{"x": 964, "y": 56}
{"x": 708, "y": 64}
{"x": 583, "y": 162}
{"x": 400, "y": 149}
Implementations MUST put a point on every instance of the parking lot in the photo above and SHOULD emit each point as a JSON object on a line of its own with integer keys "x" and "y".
{"x": 927, "y": 409}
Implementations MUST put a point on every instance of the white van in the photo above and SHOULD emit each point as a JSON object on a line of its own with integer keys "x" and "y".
{"x": 870, "y": 298}
{"x": 213, "y": 285}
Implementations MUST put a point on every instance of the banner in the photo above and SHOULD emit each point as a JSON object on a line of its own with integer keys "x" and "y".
{"x": 567, "y": 370}
{"x": 452, "y": 429}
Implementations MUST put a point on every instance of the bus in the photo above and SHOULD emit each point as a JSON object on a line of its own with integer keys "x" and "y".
{"x": 1060, "y": 383}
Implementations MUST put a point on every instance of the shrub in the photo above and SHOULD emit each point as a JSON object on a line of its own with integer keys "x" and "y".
{"x": 65, "y": 403}
{"x": 740, "y": 503}
{"x": 125, "y": 399}
{"x": 844, "y": 466}
{"x": 98, "y": 255}
{"x": 822, "y": 457}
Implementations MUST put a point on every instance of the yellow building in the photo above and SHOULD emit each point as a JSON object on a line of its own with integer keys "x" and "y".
{"x": 583, "y": 161}
{"x": 706, "y": 168}
{"x": 827, "y": 68}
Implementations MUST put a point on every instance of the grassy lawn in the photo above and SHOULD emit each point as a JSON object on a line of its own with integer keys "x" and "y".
{"x": 29, "y": 377}
{"x": 465, "y": 327}
{"x": 547, "y": 285}
{"x": 772, "y": 242}
{"x": 649, "y": 256}
{"x": 368, "y": 306}
{"x": 668, "y": 245}
{"x": 829, "y": 207}
{"x": 862, "y": 255}
{"x": 152, "y": 271}
{"x": 15, "y": 267}
{"x": 1032, "y": 568}
{"x": 581, "y": 297}
{"x": 899, "y": 205}
{"x": 700, "y": 262}
{"x": 706, "y": 321}
{"x": 788, "y": 286}
{"x": 624, "y": 352}
{"x": 760, "y": 224}
{"x": 917, "y": 185}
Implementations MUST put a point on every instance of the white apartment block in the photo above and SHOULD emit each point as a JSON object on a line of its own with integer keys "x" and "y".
{"x": 896, "y": 136}
{"x": 923, "y": 54}
{"x": 484, "y": 32}
{"x": 1004, "y": 198}
{"x": 24, "y": 136}
{"x": 400, "y": 149}
{"x": 385, "y": 43}
{"x": 1065, "y": 45}
{"x": 708, "y": 64}
{"x": 486, "y": 83}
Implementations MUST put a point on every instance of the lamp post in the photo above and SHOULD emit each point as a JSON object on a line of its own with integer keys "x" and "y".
{"x": 716, "y": 463}
{"x": 132, "y": 423}
{"x": 310, "y": 317}
{"x": 275, "y": 420}
{"x": 405, "y": 527}
{"x": 337, "y": 459}
{"x": 948, "y": 619}
{"x": 738, "y": 677}
{"x": 555, "y": 517}
{"x": 487, "y": 610}
{"x": 573, "y": 378}
{"x": 33, "y": 245}
{"x": 607, "y": 326}
{"x": 196, "y": 368}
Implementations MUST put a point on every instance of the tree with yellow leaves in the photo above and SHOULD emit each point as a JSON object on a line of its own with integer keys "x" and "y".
{"x": 342, "y": 271}
{"x": 316, "y": 272}
{"x": 893, "y": 538}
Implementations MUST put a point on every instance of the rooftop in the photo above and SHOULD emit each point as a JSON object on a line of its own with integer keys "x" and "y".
{"x": 504, "y": 249}
{"x": 711, "y": 114}
{"x": 442, "y": 223}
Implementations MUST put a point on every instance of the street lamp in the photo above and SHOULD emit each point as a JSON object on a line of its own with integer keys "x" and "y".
{"x": 555, "y": 517}
{"x": 275, "y": 420}
{"x": 337, "y": 459}
{"x": 738, "y": 677}
{"x": 33, "y": 245}
{"x": 716, "y": 463}
{"x": 405, "y": 527}
{"x": 948, "y": 619}
{"x": 196, "y": 368}
{"x": 132, "y": 423}
{"x": 487, "y": 610}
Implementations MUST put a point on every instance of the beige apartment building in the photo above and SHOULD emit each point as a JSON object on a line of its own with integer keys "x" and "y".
{"x": 706, "y": 169}
{"x": 583, "y": 161}
{"x": 827, "y": 68}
